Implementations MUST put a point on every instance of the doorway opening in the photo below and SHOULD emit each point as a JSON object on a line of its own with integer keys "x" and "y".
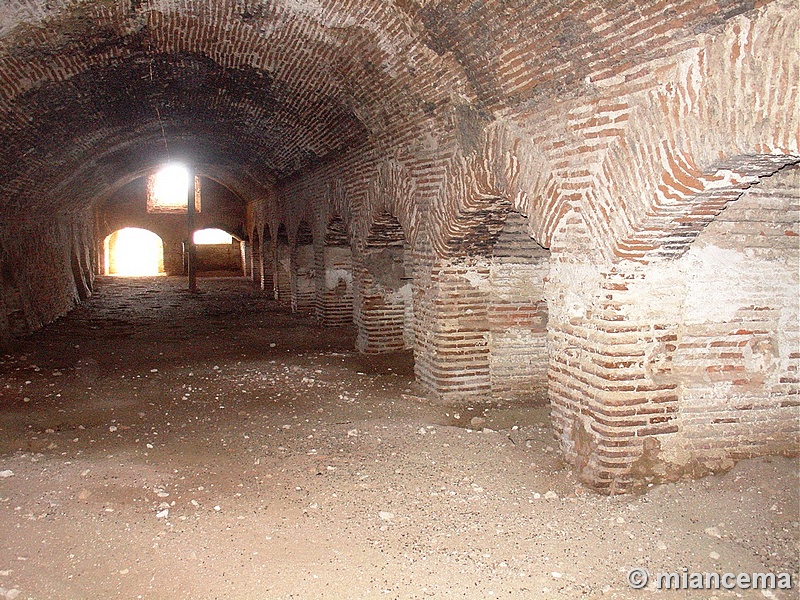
{"x": 218, "y": 253}
{"x": 133, "y": 252}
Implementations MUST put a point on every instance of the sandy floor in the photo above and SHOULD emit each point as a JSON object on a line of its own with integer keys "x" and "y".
{"x": 155, "y": 444}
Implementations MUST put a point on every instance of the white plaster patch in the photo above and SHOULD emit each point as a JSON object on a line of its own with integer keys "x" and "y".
{"x": 334, "y": 276}
{"x": 403, "y": 295}
{"x": 660, "y": 293}
{"x": 477, "y": 280}
{"x": 574, "y": 306}
{"x": 572, "y": 288}
{"x": 714, "y": 290}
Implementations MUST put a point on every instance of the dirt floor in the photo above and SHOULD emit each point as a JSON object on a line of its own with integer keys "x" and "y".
{"x": 157, "y": 444}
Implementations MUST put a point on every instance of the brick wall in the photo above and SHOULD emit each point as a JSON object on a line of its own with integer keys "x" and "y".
{"x": 45, "y": 269}
{"x": 220, "y": 259}
{"x": 736, "y": 357}
{"x": 127, "y": 207}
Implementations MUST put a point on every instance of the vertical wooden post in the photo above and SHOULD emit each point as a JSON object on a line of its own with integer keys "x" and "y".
{"x": 190, "y": 217}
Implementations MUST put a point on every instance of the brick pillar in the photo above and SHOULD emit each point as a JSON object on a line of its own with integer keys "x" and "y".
{"x": 257, "y": 264}
{"x": 611, "y": 334}
{"x": 305, "y": 275}
{"x": 334, "y": 286}
{"x": 264, "y": 263}
{"x": 682, "y": 362}
{"x": 173, "y": 254}
{"x": 517, "y": 314}
{"x": 268, "y": 282}
{"x": 452, "y": 352}
{"x": 247, "y": 257}
{"x": 283, "y": 277}
{"x": 382, "y": 292}
{"x": 273, "y": 269}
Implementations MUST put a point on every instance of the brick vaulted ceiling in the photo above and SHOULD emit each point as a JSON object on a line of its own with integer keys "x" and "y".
{"x": 94, "y": 93}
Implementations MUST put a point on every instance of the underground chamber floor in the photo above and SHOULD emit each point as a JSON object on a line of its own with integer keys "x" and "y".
{"x": 159, "y": 444}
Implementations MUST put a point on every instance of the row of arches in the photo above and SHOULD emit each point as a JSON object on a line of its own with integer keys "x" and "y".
{"x": 625, "y": 344}
{"x": 476, "y": 324}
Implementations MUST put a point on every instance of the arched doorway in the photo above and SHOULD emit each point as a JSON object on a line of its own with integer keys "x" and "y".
{"x": 133, "y": 252}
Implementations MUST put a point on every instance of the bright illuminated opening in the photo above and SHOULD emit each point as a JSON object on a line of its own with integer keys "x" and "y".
{"x": 171, "y": 186}
{"x": 133, "y": 252}
{"x": 212, "y": 236}
{"x": 168, "y": 190}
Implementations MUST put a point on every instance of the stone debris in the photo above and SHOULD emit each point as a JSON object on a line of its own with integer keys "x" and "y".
{"x": 477, "y": 422}
{"x": 713, "y": 532}
{"x": 419, "y": 513}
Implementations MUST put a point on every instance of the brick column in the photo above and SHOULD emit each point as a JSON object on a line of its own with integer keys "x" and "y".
{"x": 452, "y": 351}
{"x": 517, "y": 314}
{"x": 304, "y": 274}
{"x": 283, "y": 278}
{"x": 334, "y": 286}
{"x": 247, "y": 257}
{"x": 173, "y": 254}
{"x": 613, "y": 401}
{"x": 382, "y": 292}
{"x": 257, "y": 264}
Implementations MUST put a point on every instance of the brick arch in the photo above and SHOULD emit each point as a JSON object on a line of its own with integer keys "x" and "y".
{"x": 335, "y": 231}
{"x": 390, "y": 191}
{"x": 469, "y": 211}
{"x": 303, "y": 232}
{"x": 523, "y": 175}
{"x": 697, "y": 140}
{"x": 336, "y": 205}
{"x": 162, "y": 233}
{"x": 508, "y": 171}
{"x": 293, "y": 222}
{"x": 262, "y": 215}
{"x": 281, "y": 232}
